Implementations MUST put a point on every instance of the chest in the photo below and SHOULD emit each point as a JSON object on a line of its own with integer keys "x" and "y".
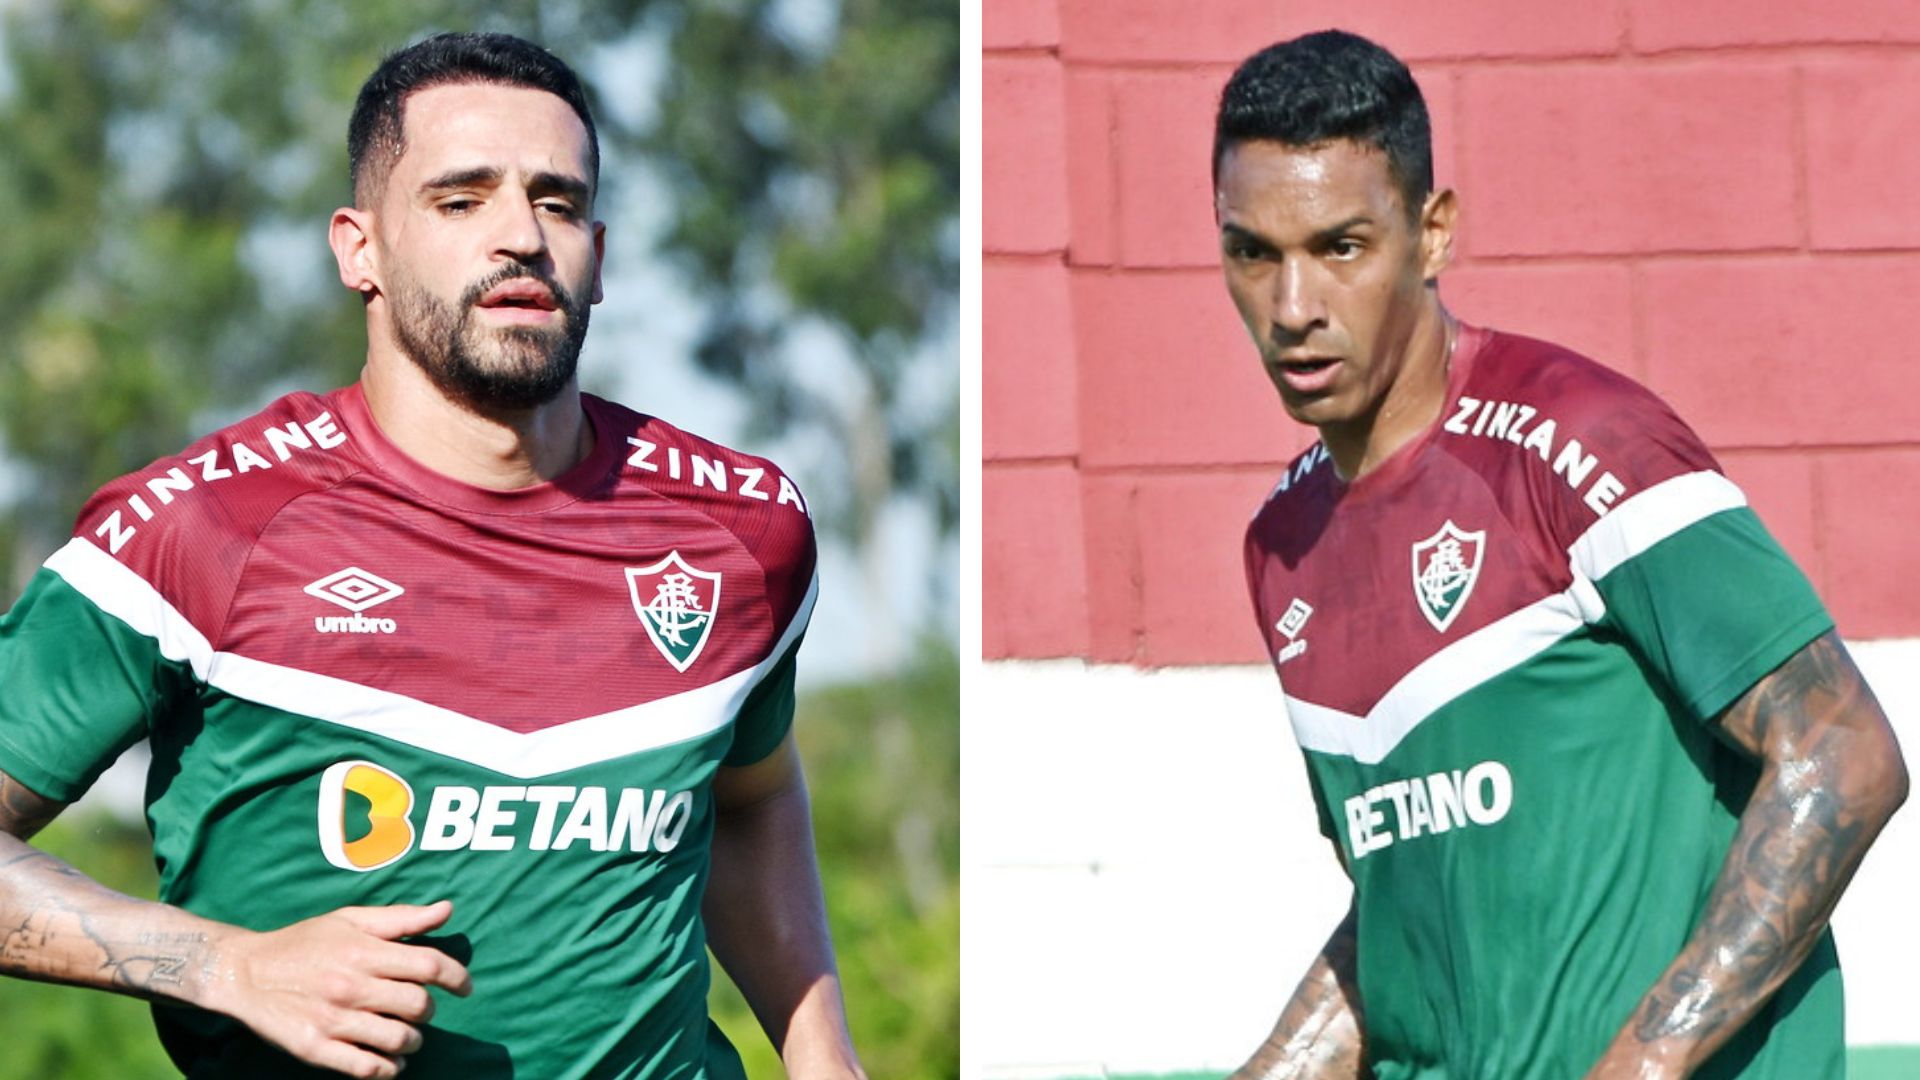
{"x": 520, "y": 622}
{"x": 1358, "y": 595}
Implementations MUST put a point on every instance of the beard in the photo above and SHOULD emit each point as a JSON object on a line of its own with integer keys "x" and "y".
{"x": 490, "y": 368}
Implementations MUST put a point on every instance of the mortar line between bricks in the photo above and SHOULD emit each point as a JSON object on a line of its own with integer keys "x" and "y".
{"x": 1550, "y": 260}
{"x": 1849, "y": 449}
{"x": 1148, "y": 470}
{"x": 1634, "y": 58}
{"x": 1266, "y": 468}
{"x": 1621, "y": 258}
{"x": 1642, "y": 60}
{"x": 1591, "y": 258}
{"x": 1036, "y": 461}
{"x": 1637, "y": 330}
{"x": 1057, "y": 257}
{"x": 1817, "y": 503}
{"x": 1020, "y": 52}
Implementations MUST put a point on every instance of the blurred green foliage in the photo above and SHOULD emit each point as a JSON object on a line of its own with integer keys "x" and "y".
{"x": 832, "y": 167}
{"x": 882, "y": 763}
{"x": 167, "y": 168}
{"x": 883, "y": 767}
{"x": 74, "y": 1034}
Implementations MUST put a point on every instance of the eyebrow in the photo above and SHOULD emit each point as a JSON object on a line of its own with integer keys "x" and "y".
{"x": 1334, "y": 232}
{"x": 487, "y": 176}
{"x": 1320, "y": 236}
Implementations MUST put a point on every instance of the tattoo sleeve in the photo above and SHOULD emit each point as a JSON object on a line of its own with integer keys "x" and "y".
{"x": 1318, "y": 1035}
{"x": 22, "y": 812}
{"x": 58, "y": 925}
{"x": 1831, "y": 776}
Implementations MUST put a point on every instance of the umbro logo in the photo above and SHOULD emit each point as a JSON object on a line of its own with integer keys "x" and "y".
{"x": 356, "y": 590}
{"x": 1290, "y": 624}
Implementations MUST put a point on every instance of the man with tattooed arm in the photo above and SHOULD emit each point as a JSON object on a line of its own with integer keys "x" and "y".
{"x": 470, "y": 695}
{"x": 1582, "y": 736}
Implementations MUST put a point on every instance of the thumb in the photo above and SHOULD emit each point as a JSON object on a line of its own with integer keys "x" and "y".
{"x": 396, "y": 921}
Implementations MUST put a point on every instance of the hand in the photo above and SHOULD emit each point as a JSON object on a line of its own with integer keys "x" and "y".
{"x": 338, "y": 990}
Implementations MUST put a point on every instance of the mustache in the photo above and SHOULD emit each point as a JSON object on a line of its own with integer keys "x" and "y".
{"x": 509, "y": 272}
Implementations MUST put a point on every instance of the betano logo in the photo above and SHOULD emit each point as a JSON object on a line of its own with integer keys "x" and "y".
{"x": 374, "y": 807}
{"x": 383, "y": 798}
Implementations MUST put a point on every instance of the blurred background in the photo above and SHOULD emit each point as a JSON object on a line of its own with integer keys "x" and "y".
{"x": 780, "y": 186}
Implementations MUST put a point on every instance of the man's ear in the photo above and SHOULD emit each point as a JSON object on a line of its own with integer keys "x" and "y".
{"x": 599, "y": 258}
{"x": 350, "y": 234}
{"x": 1437, "y": 219}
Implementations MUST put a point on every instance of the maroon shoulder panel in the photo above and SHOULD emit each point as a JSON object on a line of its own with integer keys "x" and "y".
{"x": 659, "y": 564}
{"x": 1562, "y": 435}
{"x": 186, "y": 523}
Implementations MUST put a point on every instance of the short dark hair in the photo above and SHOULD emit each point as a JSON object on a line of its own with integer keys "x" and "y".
{"x": 376, "y": 134}
{"x": 1326, "y": 86}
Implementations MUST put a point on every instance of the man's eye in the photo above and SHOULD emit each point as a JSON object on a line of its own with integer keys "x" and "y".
{"x": 1243, "y": 251}
{"x": 1346, "y": 248}
{"x": 558, "y": 208}
{"x": 458, "y": 206}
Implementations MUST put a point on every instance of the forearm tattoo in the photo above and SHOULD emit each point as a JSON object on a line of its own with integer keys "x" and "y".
{"x": 54, "y": 938}
{"x": 58, "y": 925}
{"x": 1818, "y": 805}
{"x": 1318, "y": 1034}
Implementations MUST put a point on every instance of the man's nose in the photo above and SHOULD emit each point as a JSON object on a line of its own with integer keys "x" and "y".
{"x": 519, "y": 232}
{"x": 1297, "y": 307}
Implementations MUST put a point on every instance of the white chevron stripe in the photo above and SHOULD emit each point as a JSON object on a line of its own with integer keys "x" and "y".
{"x": 1487, "y": 652}
{"x": 120, "y": 592}
{"x": 1650, "y": 517}
{"x": 1497, "y": 648}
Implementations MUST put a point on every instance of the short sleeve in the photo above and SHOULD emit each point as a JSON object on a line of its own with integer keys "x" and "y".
{"x": 1712, "y": 605}
{"x": 1682, "y": 568}
{"x": 77, "y": 688}
{"x": 767, "y": 715}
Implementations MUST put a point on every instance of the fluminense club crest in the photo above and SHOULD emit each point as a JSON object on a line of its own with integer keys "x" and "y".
{"x": 1445, "y": 566}
{"x": 677, "y": 605}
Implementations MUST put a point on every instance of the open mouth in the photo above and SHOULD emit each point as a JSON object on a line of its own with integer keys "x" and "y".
{"x": 1307, "y": 375}
{"x": 520, "y": 295}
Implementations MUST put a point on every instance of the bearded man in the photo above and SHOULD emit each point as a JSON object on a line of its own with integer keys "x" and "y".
{"x": 469, "y": 694}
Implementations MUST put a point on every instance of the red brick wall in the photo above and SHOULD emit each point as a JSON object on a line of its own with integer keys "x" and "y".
{"x": 1719, "y": 197}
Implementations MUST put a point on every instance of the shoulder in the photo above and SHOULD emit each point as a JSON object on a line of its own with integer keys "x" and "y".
{"x": 1578, "y": 437}
{"x": 180, "y": 530}
{"x": 1300, "y": 498}
{"x": 745, "y": 494}
{"x": 224, "y": 487}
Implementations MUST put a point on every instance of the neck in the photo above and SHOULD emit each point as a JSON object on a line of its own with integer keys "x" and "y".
{"x": 1411, "y": 404}
{"x": 496, "y": 449}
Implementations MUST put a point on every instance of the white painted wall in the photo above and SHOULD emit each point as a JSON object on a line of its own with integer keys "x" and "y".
{"x": 1143, "y": 881}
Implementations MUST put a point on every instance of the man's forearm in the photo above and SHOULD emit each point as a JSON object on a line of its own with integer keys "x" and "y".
{"x": 1827, "y": 788}
{"x": 1318, "y": 1035}
{"x": 767, "y": 923}
{"x": 58, "y": 925}
{"x": 338, "y": 990}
